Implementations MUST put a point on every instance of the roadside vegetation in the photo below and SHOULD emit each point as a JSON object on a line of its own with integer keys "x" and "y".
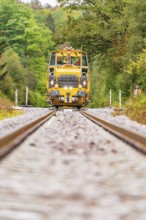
{"x": 112, "y": 32}
{"x": 7, "y": 110}
{"x": 9, "y": 113}
{"x": 135, "y": 108}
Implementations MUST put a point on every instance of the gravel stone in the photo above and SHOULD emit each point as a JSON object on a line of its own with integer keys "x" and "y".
{"x": 120, "y": 120}
{"x": 71, "y": 169}
{"x": 7, "y": 125}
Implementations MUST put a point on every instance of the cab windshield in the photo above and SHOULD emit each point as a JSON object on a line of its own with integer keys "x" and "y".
{"x": 76, "y": 61}
{"x": 62, "y": 60}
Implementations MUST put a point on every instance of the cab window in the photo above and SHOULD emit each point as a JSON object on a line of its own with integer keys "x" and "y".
{"x": 84, "y": 60}
{"x": 52, "y": 60}
{"x": 61, "y": 60}
{"x": 75, "y": 61}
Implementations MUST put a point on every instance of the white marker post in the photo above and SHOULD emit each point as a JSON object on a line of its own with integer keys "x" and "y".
{"x": 110, "y": 98}
{"x": 26, "y": 95}
{"x": 120, "y": 99}
{"x": 16, "y": 97}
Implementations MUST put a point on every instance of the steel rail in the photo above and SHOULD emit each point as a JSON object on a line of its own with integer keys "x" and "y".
{"x": 135, "y": 140}
{"x": 10, "y": 141}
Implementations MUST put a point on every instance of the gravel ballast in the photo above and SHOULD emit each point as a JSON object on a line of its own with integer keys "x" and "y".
{"x": 8, "y": 125}
{"x": 71, "y": 169}
{"x": 120, "y": 120}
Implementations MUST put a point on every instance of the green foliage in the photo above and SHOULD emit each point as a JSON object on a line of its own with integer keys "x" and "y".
{"x": 6, "y": 108}
{"x": 98, "y": 89}
{"x": 36, "y": 99}
{"x": 136, "y": 108}
{"x": 5, "y": 102}
{"x": 8, "y": 113}
{"x": 137, "y": 69}
{"x": 15, "y": 73}
{"x": 113, "y": 34}
{"x": 24, "y": 48}
{"x": 97, "y": 28}
{"x": 36, "y": 4}
{"x": 13, "y": 21}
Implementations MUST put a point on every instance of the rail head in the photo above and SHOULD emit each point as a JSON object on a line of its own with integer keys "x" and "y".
{"x": 10, "y": 141}
{"x": 135, "y": 140}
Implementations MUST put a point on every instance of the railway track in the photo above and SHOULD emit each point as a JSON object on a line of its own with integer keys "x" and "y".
{"x": 10, "y": 141}
{"x": 70, "y": 168}
{"x": 135, "y": 140}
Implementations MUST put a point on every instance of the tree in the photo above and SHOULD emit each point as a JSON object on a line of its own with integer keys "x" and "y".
{"x": 113, "y": 31}
{"x": 96, "y": 30}
{"x": 28, "y": 44}
{"x": 14, "y": 74}
{"x": 50, "y": 22}
{"x": 36, "y": 4}
{"x": 13, "y": 21}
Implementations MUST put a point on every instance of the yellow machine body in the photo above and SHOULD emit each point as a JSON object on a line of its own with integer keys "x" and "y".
{"x": 68, "y": 78}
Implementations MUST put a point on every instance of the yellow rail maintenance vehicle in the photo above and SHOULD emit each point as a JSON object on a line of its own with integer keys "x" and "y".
{"x": 68, "y": 79}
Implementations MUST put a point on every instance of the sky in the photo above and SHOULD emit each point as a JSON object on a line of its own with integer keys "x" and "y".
{"x": 51, "y": 2}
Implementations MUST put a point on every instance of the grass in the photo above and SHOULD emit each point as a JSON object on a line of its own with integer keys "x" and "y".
{"x": 4, "y": 113}
{"x": 6, "y": 109}
{"x": 135, "y": 109}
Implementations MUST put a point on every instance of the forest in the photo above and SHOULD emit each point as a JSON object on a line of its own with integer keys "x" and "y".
{"x": 113, "y": 32}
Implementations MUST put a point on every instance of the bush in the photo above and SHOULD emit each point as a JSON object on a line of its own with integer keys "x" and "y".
{"x": 5, "y": 103}
{"x": 136, "y": 108}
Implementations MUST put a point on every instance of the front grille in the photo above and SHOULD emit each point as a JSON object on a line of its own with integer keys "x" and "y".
{"x": 68, "y": 80}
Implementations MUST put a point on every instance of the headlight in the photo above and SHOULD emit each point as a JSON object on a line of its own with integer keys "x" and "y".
{"x": 80, "y": 86}
{"x": 54, "y": 93}
{"x": 52, "y": 82}
{"x": 84, "y": 83}
{"x": 84, "y": 80}
{"x": 81, "y": 93}
{"x": 56, "y": 85}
